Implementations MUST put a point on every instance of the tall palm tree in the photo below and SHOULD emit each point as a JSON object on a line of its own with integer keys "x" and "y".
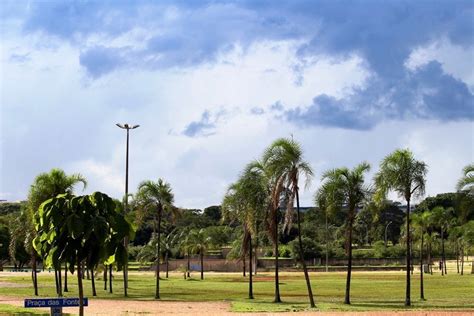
{"x": 402, "y": 173}
{"x": 274, "y": 187}
{"x": 45, "y": 186}
{"x": 284, "y": 160}
{"x": 466, "y": 183}
{"x": 156, "y": 197}
{"x": 245, "y": 201}
{"x": 346, "y": 189}
{"x": 421, "y": 222}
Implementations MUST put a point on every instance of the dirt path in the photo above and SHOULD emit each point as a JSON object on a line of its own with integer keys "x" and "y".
{"x": 130, "y": 307}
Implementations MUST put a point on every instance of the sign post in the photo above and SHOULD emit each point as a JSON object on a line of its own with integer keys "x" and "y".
{"x": 56, "y": 304}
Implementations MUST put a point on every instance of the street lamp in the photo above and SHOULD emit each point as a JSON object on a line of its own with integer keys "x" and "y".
{"x": 386, "y": 227}
{"x": 125, "y": 209}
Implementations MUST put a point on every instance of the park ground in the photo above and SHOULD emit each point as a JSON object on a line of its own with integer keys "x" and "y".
{"x": 372, "y": 293}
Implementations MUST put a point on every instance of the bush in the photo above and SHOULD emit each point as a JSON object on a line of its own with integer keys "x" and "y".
{"x": 363, "y": 253}
{"x": 310, "y": 249}
{"x": 285, "y": 251}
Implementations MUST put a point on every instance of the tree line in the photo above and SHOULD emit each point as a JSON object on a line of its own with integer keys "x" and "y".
{"x": 86, "y": 233}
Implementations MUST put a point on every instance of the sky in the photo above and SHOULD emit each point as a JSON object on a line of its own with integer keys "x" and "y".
{"x": 213, "y": 83}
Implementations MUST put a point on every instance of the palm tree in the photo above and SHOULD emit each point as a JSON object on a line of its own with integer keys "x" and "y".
{"x": 402, "y": 173}
{"x": 156, "y": 197}
{"x": 442, "y": 218}
{"x": 199, "y": 243}
{"x": 274, "y": 187}
{"x": 44, "y": 187}
{"x": 169, "y": 243}
{"x": 284, "y": 160}
{"x": 346, "y": 189}
{"x": 466, "y": 183}
{"x": 244, "y": 202}
{"x": 421, "y": 222}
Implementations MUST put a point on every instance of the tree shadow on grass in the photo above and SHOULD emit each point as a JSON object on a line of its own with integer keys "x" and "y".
{"x": 400, "y": 305}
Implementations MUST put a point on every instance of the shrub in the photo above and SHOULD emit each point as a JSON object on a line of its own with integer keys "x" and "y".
{"x": 310, "y": 249}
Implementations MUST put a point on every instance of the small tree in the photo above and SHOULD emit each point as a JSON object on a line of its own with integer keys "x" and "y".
{"x": 76, "y": 229}
{"x": 199, "y": 243}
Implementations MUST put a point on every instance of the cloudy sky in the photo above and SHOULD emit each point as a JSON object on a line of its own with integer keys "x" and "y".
{"x": 212, "y": 84}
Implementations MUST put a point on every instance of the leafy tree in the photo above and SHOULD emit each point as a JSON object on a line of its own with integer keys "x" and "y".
{"x": 402, "y": 173}
{"x": 44, "y": 187}
{"x": 81, "y": 229}
{"x": 466, "y": 183}
{"x": 156, "y": 197}
{"x": 311, "y": 249}
{"x": 17, "y": 247}
{"x": 4, "y": 242}
{"x": 346, "y": 189}
{"x": 213, "y": 213}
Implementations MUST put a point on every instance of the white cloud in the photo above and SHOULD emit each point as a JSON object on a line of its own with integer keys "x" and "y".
{"x": 77, "y": 119}
{"x": 456, "y": 60}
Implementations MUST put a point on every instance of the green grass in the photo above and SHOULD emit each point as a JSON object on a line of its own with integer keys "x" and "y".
{"x": 369, "y": 290}
{"x": 6, "y": 309}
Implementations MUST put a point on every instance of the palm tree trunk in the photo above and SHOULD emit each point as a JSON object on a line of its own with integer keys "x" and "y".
{"x": 422, "y": 294}
{"x": 347, "y": 299}
{"x": 243, "y": 266}
{"x": 189, "y": 265}
{"x": 60, "y": 294}
{"x": 250, "y": 268}
{"x": 157, "y": 292}
{"x": 300, "y": 241}
{"x": 327, "y": 241}
{"x": 83, "y": 268}
{"x": 444, "y": 260}
{"x": 81, "y": 292}
{"x": 35, "y": 275}
{"x": 202, "y": 263}
{"x": 430, "y": 266}
{"x": 94, "y": 293}
{"x": 411, "y": 256}
{"x": 462, "y": 260}
{"x": 442, "y": 251}
{"x": 407, "y": 294}
{"x": 277, "y": 298}
{"x": 256, "y": 250}
{"x": 110, "y": 279}
{"x": 457, "y": 257}
{"x": 105, "y": 277}
{"x": 167, "y": 263}
{"x": 65, "y": 277}
{"x": 56, "y": 281}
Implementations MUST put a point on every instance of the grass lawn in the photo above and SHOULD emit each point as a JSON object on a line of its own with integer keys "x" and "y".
{"x": 369, "y": 291}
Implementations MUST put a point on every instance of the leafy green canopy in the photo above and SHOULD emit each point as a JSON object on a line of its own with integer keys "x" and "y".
{"x": 87, "y": 228}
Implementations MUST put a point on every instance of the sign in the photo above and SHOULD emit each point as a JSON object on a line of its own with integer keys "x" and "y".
{"x": 56, "y": 304}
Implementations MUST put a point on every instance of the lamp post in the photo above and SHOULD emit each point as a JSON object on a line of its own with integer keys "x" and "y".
{"x": 125, "y": 209}
{"x": 386, "y": 227}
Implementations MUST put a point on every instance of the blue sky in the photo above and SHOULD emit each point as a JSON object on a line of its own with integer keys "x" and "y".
{"x": 213, "y": 83}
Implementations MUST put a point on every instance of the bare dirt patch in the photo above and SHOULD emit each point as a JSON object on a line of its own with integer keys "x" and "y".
{"x": 136, "y": 307}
